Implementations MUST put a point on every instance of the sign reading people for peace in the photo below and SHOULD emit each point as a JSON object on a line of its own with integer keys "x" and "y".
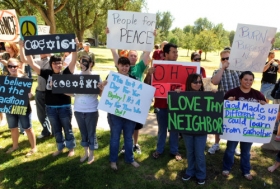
{"x": 250, "y": 47}
{"x": 195, "y": 112}
{"x": 126, "y": 97}
{"x": 44, "y": 44}
{"x": 248, "y": 121}
{"x": 9, "y": 27}
{"x": 42, "y": 29}
{"x": 14, "y": 94}
{"x": 79, "y": 84}
{"x": 28, "y": 26}
{"x": 130, "y": 30}
{"x": 170, "y": 75}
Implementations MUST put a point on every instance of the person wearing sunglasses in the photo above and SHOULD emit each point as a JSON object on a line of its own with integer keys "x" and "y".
{"x": 14, "y": 119}
{"x": 195, "y": 57}
{"x": 226, "y": 80}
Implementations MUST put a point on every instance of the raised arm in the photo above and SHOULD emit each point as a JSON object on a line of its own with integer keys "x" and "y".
{"x": 115, "y": 56}
{"x": 215, "y": 80}
{"x": 146, "y": 58}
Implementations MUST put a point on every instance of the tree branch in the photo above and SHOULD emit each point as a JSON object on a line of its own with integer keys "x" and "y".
{"x": 60, "y": 7}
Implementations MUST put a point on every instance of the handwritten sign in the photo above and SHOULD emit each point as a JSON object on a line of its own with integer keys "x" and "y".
{"x": 195, "y": 112}
{"x": 44, "y": 44}
{"x": 43, "y": 30}
{"x": 170, "y": 75}
{"x": 28, "y": 26}
{"x": 250, "y": 47}
{"x": 79, "y": 84}
{"x": 9, "y": 27}
{"x": 14, "y": 94}
{"x": 130, "y": 30}
{"x": 248, "y": 121}
{"x": 126, "y": 97}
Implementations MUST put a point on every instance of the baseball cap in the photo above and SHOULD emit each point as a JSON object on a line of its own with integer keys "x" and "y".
{"x": 86, "y": 44}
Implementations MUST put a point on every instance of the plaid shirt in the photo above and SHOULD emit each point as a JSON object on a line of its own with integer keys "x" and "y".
{"x": 230, "y": 80}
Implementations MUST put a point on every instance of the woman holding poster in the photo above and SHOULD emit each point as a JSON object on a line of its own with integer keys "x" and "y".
{"x": 242, "y": 93}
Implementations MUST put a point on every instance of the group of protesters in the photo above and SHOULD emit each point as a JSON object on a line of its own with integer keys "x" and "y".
{"x": 55, "y": 113}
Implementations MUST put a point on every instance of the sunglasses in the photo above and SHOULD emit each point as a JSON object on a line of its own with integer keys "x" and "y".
{"x": 223, "y": 59}
{"x": 10, "y": 66}
{"x": 197, "y": 59}
{"x": 197, "y": 82}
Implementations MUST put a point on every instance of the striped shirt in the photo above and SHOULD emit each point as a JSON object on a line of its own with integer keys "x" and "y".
{"x": 230, "y": 80}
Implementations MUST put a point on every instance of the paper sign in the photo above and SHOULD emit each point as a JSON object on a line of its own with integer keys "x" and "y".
{"x": 130, "y": 30}
{"x": 9, "y": 27}
{"x": 250, "y": 47}
{"x": 28, "y": 26}
{"x": 43, "y": 30}
{"x": 169, "y": 74}
{"x": 14, "y": 94}
{"x": 79, "y": 84}
{"x": 126, "y": 97}
{"x": 195, "y": 112}
{"x": 44, "y": 44}
{"x": 248, "y": 121}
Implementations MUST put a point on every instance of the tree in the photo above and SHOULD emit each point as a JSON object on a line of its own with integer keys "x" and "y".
{"x": 277, "y": 40}
{"x": 188, "y": 29}
{"x": 189, "y": 41}
{"x": 180, "y": 36}
{"x": 231, "y": 37}
{"x": 202, "y": 24}
{"x": 164, "y": 22}
{"x": 222, "y": 36}
{"x": 206, "y": 41}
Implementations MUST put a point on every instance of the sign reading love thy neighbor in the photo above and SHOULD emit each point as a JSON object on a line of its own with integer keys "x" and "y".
{"x": 43, "y": 30}
{"x": 250, "y": 47}
{"x": 195, "y": 112}
{"x": 126, "y": 97}
{"x": 170, "y": 75}
{"x": 44, "y": 44}
{"x": 248, "y": 121}
{"x": 79, "y": 84}
{"x": 130, "y": 30}
{"x": 9, "y": 27}
{"x": 28, "y": 26}
{"x": 14, "y": 94}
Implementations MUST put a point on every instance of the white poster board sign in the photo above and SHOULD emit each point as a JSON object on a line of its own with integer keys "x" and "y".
{"x": 130, "y": 30}
{"x": 126, "y": 97}
{"x": 9, "y": 26}
{"x": 43, "y": 30}
{"x": 250, "y": 47}
{"x": 248, "y": 121}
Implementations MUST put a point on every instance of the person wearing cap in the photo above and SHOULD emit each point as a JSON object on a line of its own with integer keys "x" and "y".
{"x": 86, "y": 51}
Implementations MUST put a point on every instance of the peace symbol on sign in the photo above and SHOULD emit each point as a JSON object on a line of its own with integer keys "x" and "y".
{"x": 28, "y": 28}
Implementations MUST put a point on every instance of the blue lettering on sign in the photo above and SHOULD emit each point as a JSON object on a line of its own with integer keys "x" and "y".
{"x": 107, "y": 102}
{"x": 117, "y": 79}
{"x": 138, "y": 102}
{"x": 125, "y": 90}
{"x": 128, "y": 83}
{"x": 114, "y": 86}
{"x": 125, "y": 107}
{"x": 140, "y": 87}
{"x": 137, "y": 110}
{"x": 252, "y": 108}
{"x": 230, "y": 130}
{"x": 134, "y": 93}
{"x": 130, "y": 100}
{"x": 117, "y": 105}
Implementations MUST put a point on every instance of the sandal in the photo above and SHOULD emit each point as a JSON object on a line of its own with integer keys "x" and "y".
{"x": 177, "y": 156}
{"x": 248, "y": 177}
{"x": 225, "y": 173}
{"x": 31, "y": 152}
{"x": 156, "y": 155}
{"x": 11, "y": 150}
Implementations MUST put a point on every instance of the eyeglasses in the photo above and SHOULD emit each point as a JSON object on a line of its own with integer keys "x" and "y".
{"x": 223, "y": 59}
{"x": 197, "y": 82}
{"x": 57, "y": 63}
{"x": 11, "y": 66}
{"x": 197, "y": 59}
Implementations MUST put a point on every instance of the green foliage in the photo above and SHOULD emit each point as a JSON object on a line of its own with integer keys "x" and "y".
{"x": 277, "y": 40}
{"x": 179, "y": 37}
{"x": 207, "y": 41}
{"x": 202, "y": 24}
{"x": 231, "y": 37}
{"x": 163, "y": 23}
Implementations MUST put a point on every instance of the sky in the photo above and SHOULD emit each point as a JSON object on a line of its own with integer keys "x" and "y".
{"x": 229, "y": 13}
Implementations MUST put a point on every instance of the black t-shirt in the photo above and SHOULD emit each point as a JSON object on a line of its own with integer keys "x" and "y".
{"x": 54, "y": 99}
{"x": 270, "y": 75}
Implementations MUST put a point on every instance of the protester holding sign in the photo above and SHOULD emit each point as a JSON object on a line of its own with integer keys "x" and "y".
{"x": 195, "y": 57}
{"x": 242, "y": 93}
{"x": 225, "y": 79}
{"x": 58, "y": 106}
{"x": 14, "y": 119}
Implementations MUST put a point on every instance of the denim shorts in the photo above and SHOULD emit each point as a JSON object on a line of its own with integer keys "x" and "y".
{"x": 266, "y": 89}
{"x": 13, "y": 121}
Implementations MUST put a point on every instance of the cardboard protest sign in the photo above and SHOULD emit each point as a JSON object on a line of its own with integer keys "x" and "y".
{"x": 44, "y": 44}
{"x": 43, "y": 30}
{"x": 9, "y": 27}
{"x": 79, "y": 84}
{"x": 170, "y": 75}
{"x": 130, "y": 30}
{"x": 126, "y": 97}
{"x": 28, "y": 26}
{"x": 248, "y": 121}
{"x": 14, "y": 94}
{"x": 195, "y": 112}
{"x": 250, "y": 47}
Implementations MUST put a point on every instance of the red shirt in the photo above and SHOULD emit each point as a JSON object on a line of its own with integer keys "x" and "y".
{"x": 158, "y": 55}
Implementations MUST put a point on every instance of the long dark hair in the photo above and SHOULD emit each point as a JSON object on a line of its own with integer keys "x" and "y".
{"x": 191, "y": 78}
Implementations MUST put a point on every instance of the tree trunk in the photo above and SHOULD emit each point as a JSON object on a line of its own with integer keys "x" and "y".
{"x": 188, "y": 53}
{"x": 80, "y": 35}
{"x": 96, "y": 39}
{"x": 205, "y": 55}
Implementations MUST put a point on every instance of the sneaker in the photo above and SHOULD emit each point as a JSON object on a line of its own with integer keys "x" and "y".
{"x": 42, "y": 136}
{"x": 237, "y": 152}
{"x": 122, "y": 150}
{"x": 137, "y": 149}
{"x": 200, "y": 181}
{"x": 186, "y": 177}
{"x": 277, "y": 139}
{"x": 214, "y": 148}
{"x": 95, "y": 143}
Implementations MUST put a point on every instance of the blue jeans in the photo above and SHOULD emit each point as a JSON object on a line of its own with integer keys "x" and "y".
{"x": 41, "y": 113}
{"x": 119, "y": 124}
{"x": 23, "y": 121}
{"x": 87, "y": 124}
{"x": 162, "y": 119}
{"x": 278, "y": 157}
{"x": 266, "y": 89}
{"x": 228, "y": 159}
{"x": 195, "y": 146}
{"x": 60, "y": 118}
